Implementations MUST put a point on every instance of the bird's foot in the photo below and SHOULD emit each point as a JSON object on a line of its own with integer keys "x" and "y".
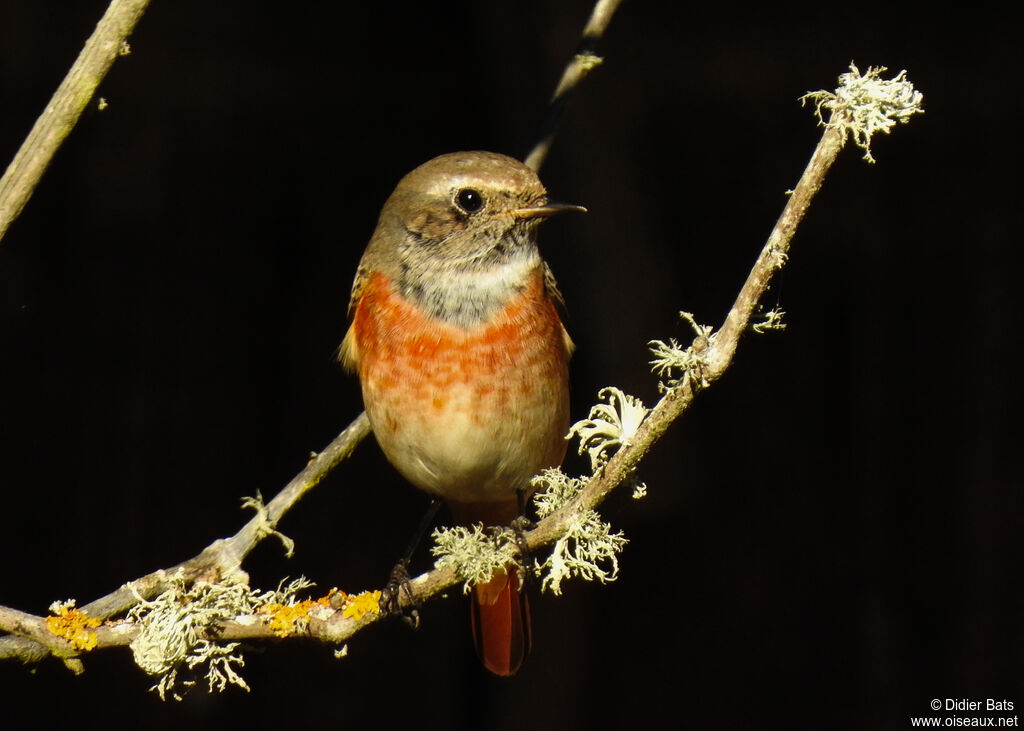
{"x": 391, "y": 598}
{"x": 519, "y": 528}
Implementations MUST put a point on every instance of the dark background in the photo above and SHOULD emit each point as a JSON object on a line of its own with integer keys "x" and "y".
{"x": 833, "y": 533}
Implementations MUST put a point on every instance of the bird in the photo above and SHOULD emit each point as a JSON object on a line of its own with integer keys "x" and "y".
{"x": 458, "y": 341}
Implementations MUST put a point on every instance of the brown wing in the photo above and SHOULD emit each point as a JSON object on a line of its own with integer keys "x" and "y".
{"x": 348, "y": 352}
{"x": 551, "y": 287}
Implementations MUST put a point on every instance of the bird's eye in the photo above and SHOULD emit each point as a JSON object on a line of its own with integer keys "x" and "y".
{"x": 469, "y": 200}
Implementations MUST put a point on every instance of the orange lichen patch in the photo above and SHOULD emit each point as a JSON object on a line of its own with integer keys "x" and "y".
{"x": 360, "y": 604}
{"x": 286, "y": 620}
{"x": 74, "y": 626}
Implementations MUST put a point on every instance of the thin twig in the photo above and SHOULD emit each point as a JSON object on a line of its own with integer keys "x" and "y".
{"x": 863, "y": 105}
{"x": 720, "y": 348}
{"x": 584, "y": 59}
{"x": 107, "y": 42}
{"x": 222, "y": 559}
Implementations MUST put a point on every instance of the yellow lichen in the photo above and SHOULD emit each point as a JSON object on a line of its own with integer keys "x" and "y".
{"x": 73, "y": 625}
{"x": 358, "y": 605}
{"x": 287, "y": 619}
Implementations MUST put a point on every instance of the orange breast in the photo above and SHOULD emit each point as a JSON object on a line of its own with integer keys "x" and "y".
{"x": 469, "y": 415}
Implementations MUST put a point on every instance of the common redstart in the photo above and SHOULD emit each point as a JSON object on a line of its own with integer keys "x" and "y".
{"x": 463, "y": 357}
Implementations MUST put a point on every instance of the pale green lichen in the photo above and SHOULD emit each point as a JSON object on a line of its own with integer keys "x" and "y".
{"x": 171, "y": 627}
{"x": 866, "y": 104}
{"x": 779, "y": 257}
{"x": 772, "y": 320}
{"x": 610, "y": 426}
{"x": 474, "y": 552}
{"x": 675, "y": 364}
{"x": 588, "y": 61}
{"x": 62, "y": 607}
{"x": 266, "y": 526}
{"x": 554, "y": 489}
{"x": 588, "y": 549}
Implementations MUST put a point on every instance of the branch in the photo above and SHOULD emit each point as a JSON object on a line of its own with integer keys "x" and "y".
{"x": 714, "y": 351}
{"x": 107, "y": 42}
{"x": 583, "y": 61}
{"x": 221, "y": 560}
{"x": 34, "y": 628}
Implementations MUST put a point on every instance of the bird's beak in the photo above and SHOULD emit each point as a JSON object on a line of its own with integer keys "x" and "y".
{"x": 548, "y": 209}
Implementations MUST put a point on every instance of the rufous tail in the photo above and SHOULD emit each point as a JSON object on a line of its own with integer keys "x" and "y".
{"x": 500, "y": 613}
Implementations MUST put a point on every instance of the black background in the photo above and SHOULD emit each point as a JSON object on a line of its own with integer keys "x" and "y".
{"x": 833, "y": 533}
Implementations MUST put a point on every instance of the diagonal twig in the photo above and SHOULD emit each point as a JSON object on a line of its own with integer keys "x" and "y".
{"x": 107, "y": 42}
{"x": 221, "y": 559}
{"x": 583, "y": 61}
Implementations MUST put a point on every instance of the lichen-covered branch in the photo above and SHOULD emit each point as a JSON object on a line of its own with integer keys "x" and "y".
{"x": 34, "y": 629}
{"x": 857, "y": 98}
{"x": 108, "y": 41}
{"x": 219, "y": 562}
